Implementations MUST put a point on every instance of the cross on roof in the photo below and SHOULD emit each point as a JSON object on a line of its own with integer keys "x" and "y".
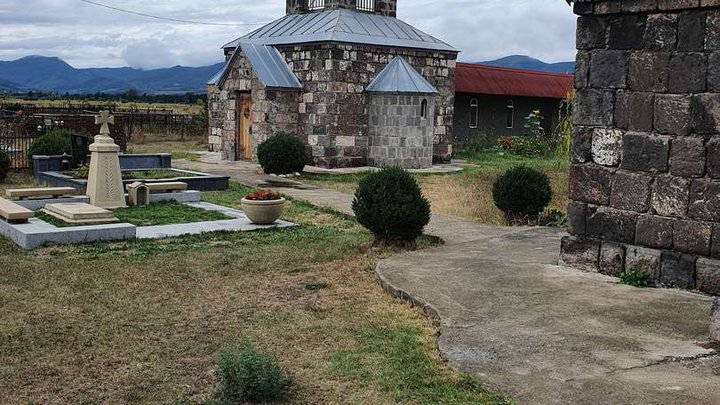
{"x": 105, "y": 120}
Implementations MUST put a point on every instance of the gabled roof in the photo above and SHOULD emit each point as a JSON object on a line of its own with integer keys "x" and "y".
{"x": 483, "y": 79}
{"x": 268, "y": 64}
{"x": 342, "y": 25}
{"x": 399, "y": 77}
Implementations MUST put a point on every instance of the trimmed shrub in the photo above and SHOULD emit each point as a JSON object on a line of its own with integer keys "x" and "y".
{"x": 522, "y": 193}
{"x": 55, "y": 142}
{"x": 390, "y": 204}
{"x": 282, "y": 154}
{"x": 4, "y": 165}
{"x": 249, "y": 374}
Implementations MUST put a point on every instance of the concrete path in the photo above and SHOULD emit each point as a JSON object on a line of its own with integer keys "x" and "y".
{"x": 538, "y": 332}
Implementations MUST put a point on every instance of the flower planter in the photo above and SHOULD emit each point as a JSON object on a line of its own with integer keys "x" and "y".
{"x": 263, "y": 212}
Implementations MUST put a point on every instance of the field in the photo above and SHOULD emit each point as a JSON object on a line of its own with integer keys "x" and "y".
{"x": 143, "y": 321}
{"x": 176, "y": 108}
{"x": 469, "y": 194}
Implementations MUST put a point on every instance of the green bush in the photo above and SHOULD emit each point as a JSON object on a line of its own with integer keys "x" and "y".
{"x": 55, "y": 142}
{"x": 522, "y": 193}
{"x": 635, "y": 278}
{"x": 4, "y": 165}
{"x": 282, "y": 154}
{"x": 390, "y": 204}
{"x": 248, "y": 374}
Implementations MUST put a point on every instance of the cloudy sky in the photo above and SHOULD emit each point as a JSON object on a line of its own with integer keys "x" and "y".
{"x": 86, "y": 35}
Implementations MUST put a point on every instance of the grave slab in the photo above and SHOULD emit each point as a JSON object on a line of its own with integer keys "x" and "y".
{"x": 80, "y": 213}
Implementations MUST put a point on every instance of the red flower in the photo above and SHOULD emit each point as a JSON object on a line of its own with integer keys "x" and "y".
{"x": 264, "y": 195}
{"x": 19, "y": 112}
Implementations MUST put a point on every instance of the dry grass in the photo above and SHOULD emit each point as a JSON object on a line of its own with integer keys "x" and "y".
{"x": 17, "y": 179}
{"x": 179, "y": 149}
{"x": 142, "y": 321}
{"x": 469, "y": 194}
{"x": 176, "y": 108}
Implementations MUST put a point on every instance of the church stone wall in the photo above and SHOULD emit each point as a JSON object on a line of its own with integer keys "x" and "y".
{"x": 399, "y": 136}
{"x": 645, "y": 173}
{"x": 334, "y": 107}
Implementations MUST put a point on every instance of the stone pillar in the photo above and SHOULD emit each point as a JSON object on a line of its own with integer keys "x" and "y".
{"x": 645, "y": 173}
{"x": 105, "y": 186}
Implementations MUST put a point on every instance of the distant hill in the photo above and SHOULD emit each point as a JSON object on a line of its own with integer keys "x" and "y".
{"x": 526, "y": 62}
{"x": 53, "y": 74}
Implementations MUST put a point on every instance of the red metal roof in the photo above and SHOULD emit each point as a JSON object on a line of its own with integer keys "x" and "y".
{"x": 483, "y": 79}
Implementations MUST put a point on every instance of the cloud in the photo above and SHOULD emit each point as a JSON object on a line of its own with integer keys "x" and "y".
{"x": 89, "y": 36}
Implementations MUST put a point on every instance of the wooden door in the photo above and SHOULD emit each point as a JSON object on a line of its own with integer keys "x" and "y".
{"x": 244, "y": 126}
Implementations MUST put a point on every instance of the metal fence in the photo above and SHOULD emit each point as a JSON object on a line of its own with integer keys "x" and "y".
{"x": 366, "y": 5}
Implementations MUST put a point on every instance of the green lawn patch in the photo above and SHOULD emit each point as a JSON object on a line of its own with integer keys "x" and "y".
{"x": 160, "y": 213}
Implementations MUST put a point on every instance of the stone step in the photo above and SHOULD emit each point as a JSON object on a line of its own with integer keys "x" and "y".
{"x": 54, "y": 192}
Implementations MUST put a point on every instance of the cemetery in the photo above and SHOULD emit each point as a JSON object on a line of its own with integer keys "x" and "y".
{"x": 576, "y": 267}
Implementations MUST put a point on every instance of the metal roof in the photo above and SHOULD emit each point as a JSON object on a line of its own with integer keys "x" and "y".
{"x": 268, "y": 64}
{"x": 483, "y": 79}
{"x": 399, "y": 77}
{"x": 342, "y": 25}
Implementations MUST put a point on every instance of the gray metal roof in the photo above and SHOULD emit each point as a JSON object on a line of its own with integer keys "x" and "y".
{"x": 268, "y": 64}
{"x": 342, "y": 25}
{"x": 399, "y": 77}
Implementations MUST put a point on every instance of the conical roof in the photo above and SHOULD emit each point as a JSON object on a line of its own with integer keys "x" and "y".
{"x": 399, "y": 77}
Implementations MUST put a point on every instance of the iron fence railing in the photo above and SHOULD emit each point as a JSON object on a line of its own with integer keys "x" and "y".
{"x": 366, "y": 5}
{"x": 316, "y": 4}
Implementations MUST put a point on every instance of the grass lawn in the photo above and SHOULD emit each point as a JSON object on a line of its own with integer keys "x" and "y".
{"x": 469, "y": 194}
{"x": 143, "y": 321}
{"x": 179, "y": 149}
{"x": 160, "y": 213}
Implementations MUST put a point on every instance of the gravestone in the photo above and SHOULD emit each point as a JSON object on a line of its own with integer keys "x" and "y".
{"x": 80, "y": 213}
{"x": 138, "y": 194}
{"x": 105, "y": 186}
{"x": 645, "y": 173}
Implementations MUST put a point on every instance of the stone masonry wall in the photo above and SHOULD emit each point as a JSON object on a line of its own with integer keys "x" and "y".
{"x": 645, "y": 173}
{"x": 334, "y": 106}
{"x": 399, "y": 136}
{"x": 273, "y": 110}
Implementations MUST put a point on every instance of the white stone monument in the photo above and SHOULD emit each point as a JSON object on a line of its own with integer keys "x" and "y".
{"x": 105, "y": 186}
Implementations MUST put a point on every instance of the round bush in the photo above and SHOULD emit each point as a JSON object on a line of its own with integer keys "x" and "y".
{"x": 522, "y": 193}
{"x": 390, "y": 204}
{"x": 282, "y": 154}
{"x": 4, "y": 165}
{"x": 55, "y": 142}
{"x": 248, "y": 374}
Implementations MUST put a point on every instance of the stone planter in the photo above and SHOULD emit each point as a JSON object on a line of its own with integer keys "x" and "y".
{"x": 263, "y": 212}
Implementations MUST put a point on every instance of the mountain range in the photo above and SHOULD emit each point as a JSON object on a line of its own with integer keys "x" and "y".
{"x": 40, "y": 73}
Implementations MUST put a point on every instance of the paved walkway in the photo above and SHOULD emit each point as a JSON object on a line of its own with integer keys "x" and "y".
{"x": 538, "y": 332}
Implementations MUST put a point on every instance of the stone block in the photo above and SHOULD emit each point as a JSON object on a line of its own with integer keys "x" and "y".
{"x": 612, "y": 259}
{"x": 607, "y": 7}
{"x": 580, "y": 150}
{"x": 677, "y": 4}
{"x": 607, "y": 146}
{"x": 692, "y": 237}
{"x": 715, "y": 248}
{"x": 712, "y": 30}
{"x": 580, "y": 253}
{"x": 705, "y": 200}
{"x": 677, "y": 270}
{"x": 637, "y": 6}
{"x": 590, "y": 183}
{"x": 626, "y": 31}
{"x": 713, "y": 158}
{"x": 608, "y": 69}
{"x": 706, "y": 113}
{"x": 593, "y": 107}
{"x": 577, "y": 212}
{"x": 634, "y": 111}
{"x": 670, "y": 196}
{"x": 707, "y": 278}
{"x": 654, "y": 231}
{"x": 611, "y": 224}
{"x": 688, "y": 72}
{"x": 643, "y": 259}
{"x": 661, "y": 32}
{"x": 672, "y": 114}
{"x": 642, "y": 152}
{"x": 713, "y": 73}
{"x": 691, "y": 31}
{"x": 591, "y": 32}
{"x": 630, "y": 191}
{"x": 687, "y": 157}
{"x": 649, "y": 71}
{"x": 582, "y": 65}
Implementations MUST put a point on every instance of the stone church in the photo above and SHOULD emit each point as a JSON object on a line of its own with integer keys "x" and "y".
{"x": 356, "y": 84}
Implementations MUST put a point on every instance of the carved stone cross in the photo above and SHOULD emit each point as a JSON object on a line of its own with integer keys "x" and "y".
{"x": 105, "y": 120}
